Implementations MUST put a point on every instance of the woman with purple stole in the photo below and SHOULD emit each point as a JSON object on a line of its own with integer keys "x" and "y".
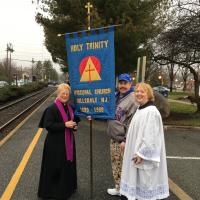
{"x": 58, "y": 177}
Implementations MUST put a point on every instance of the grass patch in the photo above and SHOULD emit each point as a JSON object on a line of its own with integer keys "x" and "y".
{"x": 177, "y": 95}
{"x": 183, "y": 115}
{"x": 176, "y": 107}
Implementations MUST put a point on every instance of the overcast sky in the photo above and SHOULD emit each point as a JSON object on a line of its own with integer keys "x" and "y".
{"x": 18, "y": 26}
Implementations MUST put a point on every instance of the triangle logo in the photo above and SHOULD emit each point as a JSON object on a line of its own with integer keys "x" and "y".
{"x": 90, "y": 69}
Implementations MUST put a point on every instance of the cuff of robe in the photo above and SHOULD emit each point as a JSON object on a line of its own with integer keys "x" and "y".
{"x": 152, "y": 158}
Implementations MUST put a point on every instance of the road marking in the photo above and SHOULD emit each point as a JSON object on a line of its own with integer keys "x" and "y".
{"x": 5, "y": 139}
{"x": 175, "y": 188}
{"x": 166, "y": 127}
{"x": 178, "y": 191}
{"x": 183, "y": 158}
{"x": 15, "y": 178}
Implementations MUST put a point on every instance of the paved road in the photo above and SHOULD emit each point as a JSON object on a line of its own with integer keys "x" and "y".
{"x": 12, "y": 152}
{"x": 184, "y": 172}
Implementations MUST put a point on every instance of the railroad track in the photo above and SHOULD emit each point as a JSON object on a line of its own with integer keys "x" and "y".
{"x": 20, "y": 99}
{"x": 13, "y": 113}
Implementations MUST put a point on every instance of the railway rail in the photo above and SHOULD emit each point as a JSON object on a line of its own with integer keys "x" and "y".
{"x": 13, "y": 113}
{"x": 20, "y": 99}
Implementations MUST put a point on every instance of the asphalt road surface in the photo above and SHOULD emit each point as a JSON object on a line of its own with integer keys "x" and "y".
{"x": 184, "y": 170}
{"x": 185, "y": 173}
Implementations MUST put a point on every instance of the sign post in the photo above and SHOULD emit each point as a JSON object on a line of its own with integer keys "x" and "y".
{"x": 92, "y": 75}
{"x": 88, "y": 6}
{"x": 141, "y": 68}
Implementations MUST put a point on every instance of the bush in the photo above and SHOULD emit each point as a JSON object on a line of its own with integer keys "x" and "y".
{"x": 12, "y": 92}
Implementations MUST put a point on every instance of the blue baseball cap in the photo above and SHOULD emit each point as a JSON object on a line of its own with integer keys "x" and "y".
{"x": 124, "y": 77}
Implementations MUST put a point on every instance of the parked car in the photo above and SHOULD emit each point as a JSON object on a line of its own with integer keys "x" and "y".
{"x": 3, "y": 84}
{"x": 163, "y": 90}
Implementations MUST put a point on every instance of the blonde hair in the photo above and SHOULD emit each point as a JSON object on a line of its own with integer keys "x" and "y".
{"x": 63, "y": 86}
{"x": 148, "y": 89}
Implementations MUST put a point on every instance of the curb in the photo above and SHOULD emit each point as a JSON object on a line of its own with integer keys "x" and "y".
{"x": 181, "y": 127}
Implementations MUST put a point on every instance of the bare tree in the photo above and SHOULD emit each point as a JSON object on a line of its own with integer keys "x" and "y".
{"x": 185, "y": 72}
{"x": 183, "y": 40}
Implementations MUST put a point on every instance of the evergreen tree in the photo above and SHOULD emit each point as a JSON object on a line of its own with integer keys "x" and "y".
{"x": 50, "y": 73}
{"x": 141, "y": 21}
{"x": 39, "y": 70}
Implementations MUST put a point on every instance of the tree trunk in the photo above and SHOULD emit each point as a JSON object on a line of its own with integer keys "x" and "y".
{"x": 198, "y": 106}
{"x": 197, "y": 95}
{"x": 171, "y": 76}
{"x": 171, "y": 85}
{"x": 196, "y": 91}
{"x": 185, "y": 77}
{"x": 184, "y": 85}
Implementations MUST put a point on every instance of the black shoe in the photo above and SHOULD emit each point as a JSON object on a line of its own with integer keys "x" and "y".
{"x": 123, "y": 197}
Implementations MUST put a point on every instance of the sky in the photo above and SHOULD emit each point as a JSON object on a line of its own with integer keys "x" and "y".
{"x": 18, "y": 26}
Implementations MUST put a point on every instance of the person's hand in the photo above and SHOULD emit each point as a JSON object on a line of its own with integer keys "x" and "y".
{"x": 70, "y": 124}
{"x": 122, "y": 145}
{"x": 75, "y": 128}
{"x": 137, "y": 159}
{"x": 89, "y": 118}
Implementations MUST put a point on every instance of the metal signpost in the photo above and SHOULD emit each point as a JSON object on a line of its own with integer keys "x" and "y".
{"x": 141, "y": 68}
{"x": 88, "y": 6}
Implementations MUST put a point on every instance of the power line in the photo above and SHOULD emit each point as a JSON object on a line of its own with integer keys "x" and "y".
{"x": 25, "y": 60}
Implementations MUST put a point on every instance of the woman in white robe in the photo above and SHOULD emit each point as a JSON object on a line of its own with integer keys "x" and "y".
{"x": 144, "y": 171}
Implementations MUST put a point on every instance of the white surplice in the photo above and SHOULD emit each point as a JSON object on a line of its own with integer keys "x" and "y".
{"x": 145, "y": 138}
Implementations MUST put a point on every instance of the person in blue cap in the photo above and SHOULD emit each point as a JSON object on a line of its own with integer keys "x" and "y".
{"x": 117, "y": 128}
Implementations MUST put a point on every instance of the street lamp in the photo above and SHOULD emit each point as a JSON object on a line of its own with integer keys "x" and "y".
{"x": 161, "y": 79}
{"x": 15, "y": 78}
{"x": 134, "y": 80}
{"x": 176, "y": 81}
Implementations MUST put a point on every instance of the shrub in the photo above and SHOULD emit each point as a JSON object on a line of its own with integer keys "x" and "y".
{"x": 9, "y": 93}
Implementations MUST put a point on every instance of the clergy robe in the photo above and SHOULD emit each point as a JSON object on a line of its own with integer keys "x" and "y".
{"x": 58, "y": 177}
{"x": 147, "y": 180}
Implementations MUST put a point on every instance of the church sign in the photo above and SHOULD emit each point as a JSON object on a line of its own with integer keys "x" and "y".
{"x": 91, "y": 72}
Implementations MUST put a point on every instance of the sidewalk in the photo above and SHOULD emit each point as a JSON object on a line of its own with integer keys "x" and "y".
{"x": 179, "y": 101}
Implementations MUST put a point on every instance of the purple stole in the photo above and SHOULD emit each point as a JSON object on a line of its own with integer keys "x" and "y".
{"x": 68, "y": 134}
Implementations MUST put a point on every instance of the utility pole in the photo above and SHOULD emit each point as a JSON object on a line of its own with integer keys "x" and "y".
{"x": 32, "y": 69}
{"x": 9, "y": 49}
{"x": 21, "y": 72}
{"x": 6, "y": 67}
{"x": 42, "y": 73}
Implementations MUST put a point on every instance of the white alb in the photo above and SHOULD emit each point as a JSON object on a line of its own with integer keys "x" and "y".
{"x": 145, "y": 138}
